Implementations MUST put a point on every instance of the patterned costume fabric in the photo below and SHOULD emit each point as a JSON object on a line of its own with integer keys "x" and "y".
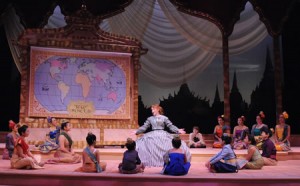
{"x": 154, "y": 144}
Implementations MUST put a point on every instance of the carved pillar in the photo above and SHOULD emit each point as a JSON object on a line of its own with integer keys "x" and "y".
{"x": 226, "y": 80}
{"x": 277, "y": 75}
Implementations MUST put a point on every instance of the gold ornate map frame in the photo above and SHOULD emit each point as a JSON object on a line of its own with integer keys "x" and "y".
{"x": 79, "y": 109}
{"x": 82, "y": 34}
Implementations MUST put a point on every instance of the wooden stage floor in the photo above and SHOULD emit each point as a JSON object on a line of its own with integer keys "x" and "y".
{"x": 287, "y": 172}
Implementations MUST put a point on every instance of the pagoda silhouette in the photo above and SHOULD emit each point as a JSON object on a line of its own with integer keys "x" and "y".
{"x": 263, "y": 97}
{"x": 238, "y": 106}
{"x": 186, "y": 110}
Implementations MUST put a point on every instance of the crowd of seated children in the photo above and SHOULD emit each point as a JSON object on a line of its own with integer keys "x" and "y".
{"x": 175, "y": 159}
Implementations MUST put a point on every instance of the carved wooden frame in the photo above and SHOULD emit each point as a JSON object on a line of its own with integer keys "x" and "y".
{"x": 81, "y": 33}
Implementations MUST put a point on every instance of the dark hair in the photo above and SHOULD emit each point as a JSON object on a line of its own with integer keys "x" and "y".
{"x": 11, "y": 124}
{"x": 250, "y": 137}
{"x": 22, "y": 129}
{"x": 227, "y": 139}
{"x": 130, "y": 144}
{"x": 221, "y": 117}
{"x": 226, "y": 128}
{"x": 64, "y": 124}
{"x": 243, "y": 118}
{"x": 196, "y": 127}
{"x": 262, "y": 115}
{"x": 90, "y": 138}
{"x": 49, "y": 119}
{"x": 266, "y": 130}
{"x": 176, "y": 142}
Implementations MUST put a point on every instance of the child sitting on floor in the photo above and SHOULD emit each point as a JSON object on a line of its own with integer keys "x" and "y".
{"x": 268, "y": 147}
{"x": 227, "y": 155}
{"x": 195, "y": 139}
{"x": 175, "y": 159}
{"x": 91, "y": 157}
{"x": 131, "y": 163}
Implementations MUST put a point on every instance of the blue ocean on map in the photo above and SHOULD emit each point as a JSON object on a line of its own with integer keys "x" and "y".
{"x": 61, "y": 80}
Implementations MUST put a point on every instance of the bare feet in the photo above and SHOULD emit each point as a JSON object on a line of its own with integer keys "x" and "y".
{"x": 41, "y": 164}
{"x": 50, "y": 162}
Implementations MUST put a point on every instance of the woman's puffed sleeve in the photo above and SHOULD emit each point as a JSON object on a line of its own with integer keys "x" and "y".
{"x": 144, "y": 127}
{"x": 170, "y": 125}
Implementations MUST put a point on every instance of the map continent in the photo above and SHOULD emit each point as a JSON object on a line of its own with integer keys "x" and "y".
{"x": 62, "y": 82}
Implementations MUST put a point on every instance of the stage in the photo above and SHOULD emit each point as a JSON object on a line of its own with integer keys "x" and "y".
{"x": 287, "y": 172}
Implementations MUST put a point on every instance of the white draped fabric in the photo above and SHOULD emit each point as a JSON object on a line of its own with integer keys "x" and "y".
{"x": 248, "y": 31}
{"x": 13, "y": 29}
{"x": 180, "y": 46}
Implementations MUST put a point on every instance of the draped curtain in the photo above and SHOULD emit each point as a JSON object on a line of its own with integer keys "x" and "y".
{"x": 180, "y": 46}
{"x": 13, "y": 29}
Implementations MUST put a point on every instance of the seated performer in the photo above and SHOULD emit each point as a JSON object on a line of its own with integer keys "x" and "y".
{"x": 175, "y": 159}
{"x": 253, "y": 159}
{"x": 154, "y": 144}
{"x": 219, "y": 130}
{"x": 256, "y": 129}
{"x": 227, "y": 154}
{"x": 91, "y": 157}
{"x": 65, "y": 153}
{"x": 268, "y": 147}
{"x": 282, "y": 133}
{"x": 196, "y": 139}
{"x": 51, "y": 141}
{"x": 238, "y": 131}
{"x": 22, "y": 157}
{"x": 131, "y": 163}
{"x": 10, "y": 140}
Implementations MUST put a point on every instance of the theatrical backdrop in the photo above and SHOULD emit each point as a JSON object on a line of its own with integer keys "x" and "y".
{"x": 180, "y": 61}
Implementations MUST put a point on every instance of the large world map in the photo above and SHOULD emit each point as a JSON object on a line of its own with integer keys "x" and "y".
{"x": 79, "y": 86}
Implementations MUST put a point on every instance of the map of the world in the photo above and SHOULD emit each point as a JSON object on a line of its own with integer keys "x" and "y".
{"x": 79, "y": 86}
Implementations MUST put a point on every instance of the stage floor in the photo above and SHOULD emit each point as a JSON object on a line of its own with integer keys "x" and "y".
{"x": 287, "y": 172}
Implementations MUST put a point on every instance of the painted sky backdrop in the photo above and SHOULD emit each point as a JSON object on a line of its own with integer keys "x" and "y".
{"x": 249, "y": 67}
